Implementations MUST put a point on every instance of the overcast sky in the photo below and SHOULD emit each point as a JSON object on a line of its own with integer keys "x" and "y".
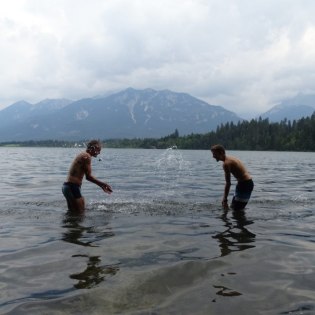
{"x": 244, "y": 55}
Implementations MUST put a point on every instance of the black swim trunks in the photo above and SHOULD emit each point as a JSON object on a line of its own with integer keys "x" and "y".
{"x": 71, "y": 190}
{"x": 243, "y": 191}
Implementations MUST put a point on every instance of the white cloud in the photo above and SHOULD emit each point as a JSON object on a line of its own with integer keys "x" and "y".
{"x": 244, "y": 55}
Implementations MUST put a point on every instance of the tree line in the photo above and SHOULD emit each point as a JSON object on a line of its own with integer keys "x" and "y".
{"x": 256, "y": 134}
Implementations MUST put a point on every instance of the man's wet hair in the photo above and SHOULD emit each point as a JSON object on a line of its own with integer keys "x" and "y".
{"x": 218, "y": 148}
{"x": 93, "y": 144}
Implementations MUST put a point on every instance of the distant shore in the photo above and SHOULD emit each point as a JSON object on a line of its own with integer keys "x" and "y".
{"x": 254, "y": 135}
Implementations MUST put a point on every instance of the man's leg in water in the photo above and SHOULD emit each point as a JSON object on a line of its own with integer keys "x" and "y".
{"x": 72, "y": 193}
{"x": 76, "y": 204}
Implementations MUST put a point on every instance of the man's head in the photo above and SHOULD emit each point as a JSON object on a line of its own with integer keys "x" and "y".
{"x": 218, "y": 152}
{"x": 94, "y": 147}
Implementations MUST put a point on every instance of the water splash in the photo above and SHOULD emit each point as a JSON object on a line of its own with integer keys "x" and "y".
{"x": 171, "y": 168}
{"x": 300, "y": 198}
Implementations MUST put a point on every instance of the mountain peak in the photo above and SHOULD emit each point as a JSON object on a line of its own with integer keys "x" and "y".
{"x": 288, "y": 111}
{"x": 127, "y": 114}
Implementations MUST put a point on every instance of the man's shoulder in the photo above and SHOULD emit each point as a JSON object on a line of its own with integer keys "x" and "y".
{"x": 232, "y": 160}
{"x": 229, "y": 159}
{"x": 84, "y": 156}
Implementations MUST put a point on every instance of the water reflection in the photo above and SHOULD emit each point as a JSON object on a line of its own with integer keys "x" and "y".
{"x": 94, "y": 273}
{"x": 75, "y": 230}
{"x": 79, "y": 234}
{"x": 235, "y": 237}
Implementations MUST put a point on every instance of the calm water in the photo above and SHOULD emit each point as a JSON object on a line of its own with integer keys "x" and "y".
{"x": 160, "y": 244}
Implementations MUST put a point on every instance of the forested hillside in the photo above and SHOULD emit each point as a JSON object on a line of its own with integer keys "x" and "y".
{"x": 247, "y": 135}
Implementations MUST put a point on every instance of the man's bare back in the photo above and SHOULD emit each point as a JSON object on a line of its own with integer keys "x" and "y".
{"x": 236, "y": 168}
{"x": 232, "y": 165}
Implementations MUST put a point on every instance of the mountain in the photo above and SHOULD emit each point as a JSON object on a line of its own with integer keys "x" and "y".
{"x": 15, "y": 113}
{"x": 301, "y": 99}
{"x": 292, "y": 109}
{"x": 18, "y": 112}
{"x": 49, "y": 105}
{"x": 126, "y": 114}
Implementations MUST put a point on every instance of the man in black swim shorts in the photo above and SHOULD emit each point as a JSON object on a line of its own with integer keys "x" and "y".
{"x": 81, "y": 166}
{"x": 243, "y": 191}
{"x": 71, "y": 190}
{"x": 234, "y": 166}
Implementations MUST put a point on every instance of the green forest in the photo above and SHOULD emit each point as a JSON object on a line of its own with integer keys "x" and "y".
{"x": 259, "y": 135}
{"x": 256, "y": 134}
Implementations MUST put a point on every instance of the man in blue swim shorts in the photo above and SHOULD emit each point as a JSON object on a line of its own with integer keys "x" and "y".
{"x": 234, "y": 166}
{"x": 81, "y": 166}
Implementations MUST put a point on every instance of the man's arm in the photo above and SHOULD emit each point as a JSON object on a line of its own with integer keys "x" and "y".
{"x": 93, "y": 179}
{"x": 227, "y": 174}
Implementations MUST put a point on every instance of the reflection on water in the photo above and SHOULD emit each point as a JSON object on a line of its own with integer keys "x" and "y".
{"x": 235, "y": 237}
{"x": 224, "y": 291}
{"x": 94, "y": 273}
{"x": 75, "y": 230}
{"x": 148, "y": 248}
{"x": 75, "y": 233}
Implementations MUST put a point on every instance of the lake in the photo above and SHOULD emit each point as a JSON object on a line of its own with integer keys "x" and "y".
{"x": 161, "y": 243}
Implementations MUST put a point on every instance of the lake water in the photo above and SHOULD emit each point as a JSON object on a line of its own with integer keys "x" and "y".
{"x": 161, "y": 243}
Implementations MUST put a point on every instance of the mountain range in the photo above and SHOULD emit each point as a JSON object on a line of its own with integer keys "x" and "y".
{"x": 127, "y": 114}
{"x": 292, "y": 109}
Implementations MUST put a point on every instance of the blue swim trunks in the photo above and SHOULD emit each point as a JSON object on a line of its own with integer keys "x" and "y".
{"x": 71, "y": 190}
{"x": 243, "y": 191}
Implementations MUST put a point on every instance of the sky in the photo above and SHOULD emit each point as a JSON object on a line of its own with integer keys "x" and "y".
{"x": 245, "y": 55}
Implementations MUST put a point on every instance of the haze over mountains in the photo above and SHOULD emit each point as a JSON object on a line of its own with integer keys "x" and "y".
{"x": 127, "y": 114}
{"x": 292, "y": 109}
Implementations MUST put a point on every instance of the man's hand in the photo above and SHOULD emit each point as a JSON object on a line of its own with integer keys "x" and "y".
{"x": 107, "y": 188}
{"x": 225, "y": 204}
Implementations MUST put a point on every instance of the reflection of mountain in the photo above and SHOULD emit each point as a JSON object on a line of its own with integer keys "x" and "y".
{"x": 236, "y": 237}
{"x": 78, "y": 234}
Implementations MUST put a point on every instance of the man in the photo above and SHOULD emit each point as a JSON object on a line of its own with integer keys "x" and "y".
{"x": 245, "y": 184}
{"x": 81, "y": 166}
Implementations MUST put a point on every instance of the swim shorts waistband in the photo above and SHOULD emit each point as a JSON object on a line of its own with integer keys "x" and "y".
{"x": 71, "y": 190}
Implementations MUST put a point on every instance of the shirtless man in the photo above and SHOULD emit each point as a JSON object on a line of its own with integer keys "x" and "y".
{"x": 245, "y": 184}
{"x": 81, "y": 166}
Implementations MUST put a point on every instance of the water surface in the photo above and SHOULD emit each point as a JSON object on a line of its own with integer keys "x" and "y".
{"x": 160, "y": 244}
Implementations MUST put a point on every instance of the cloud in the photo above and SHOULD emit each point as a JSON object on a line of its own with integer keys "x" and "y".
{"x": 243, "y": 55}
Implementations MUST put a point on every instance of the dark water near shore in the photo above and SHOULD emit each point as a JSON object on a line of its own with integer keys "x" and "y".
{"x": 160, "y": 244}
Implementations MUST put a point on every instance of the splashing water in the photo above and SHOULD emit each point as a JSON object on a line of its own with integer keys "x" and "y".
{"x": 172, "y": 160}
